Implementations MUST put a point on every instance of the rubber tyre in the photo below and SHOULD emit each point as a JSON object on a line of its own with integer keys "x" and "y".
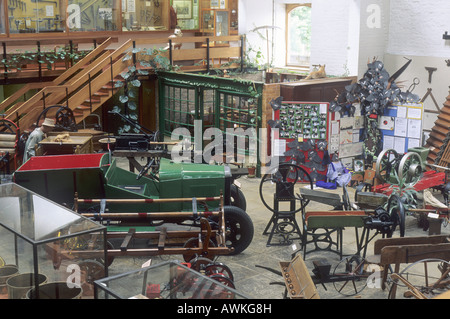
{"x": 241, "y": 229}
{"x": 238, "y": 198}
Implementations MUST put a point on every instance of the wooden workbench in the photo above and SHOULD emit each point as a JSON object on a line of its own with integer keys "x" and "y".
{"x": 76, "y": 144}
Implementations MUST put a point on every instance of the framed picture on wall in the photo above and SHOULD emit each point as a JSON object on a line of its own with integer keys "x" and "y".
{"x": 358, "y": 165}
{"x": 214, "y": 4}
{"x": 183, "y": 8}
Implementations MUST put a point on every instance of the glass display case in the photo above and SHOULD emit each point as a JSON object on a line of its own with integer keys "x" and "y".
{"x": 2, "y": 19}
{"x": 47, "y": 251}
{"x": 166, "y": 280}
{"x": 207, "y": 21}
{"x": 58, "y": 16}
{"x": 215, "y": 23}
{"x": 145, "y": 15}
{"x": 187, "y": 13}
{"x": 234, "y": 22}
{"x": 93, "y": 15}
{"x": 30, "y": 16}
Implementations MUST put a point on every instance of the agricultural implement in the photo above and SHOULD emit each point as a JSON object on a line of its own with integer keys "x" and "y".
{"x": 406, "y": 175}
{"x": 353, "y": 273}
{"x": 408, "y": 170}
{"x": 133, "y": 206}
{"x": 323, "y": 229}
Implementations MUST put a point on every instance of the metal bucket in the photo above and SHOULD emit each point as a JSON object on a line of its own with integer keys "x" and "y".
{"x": 19, "y": 284}
{"x": 6, "y": 272}
{"x": 55, "y": 290}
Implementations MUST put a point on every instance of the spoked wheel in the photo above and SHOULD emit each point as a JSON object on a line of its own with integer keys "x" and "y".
{"x": 223, "y": 280}
{"x": 410, "y": 168}
{"x": 209, "y": 268}
{"x": 65, "y": 118}
{"x": 396, "y": 211}
{"x": 199, "y": 263}
{"x": 219, "y": 269}
{"x": 283, "y": 182}
{"x": 194, "y": 243}
{"x": 423, "y": 279}
{"x": 354, "y": 278}
{"x": 91, "y": 270}
{"x": 387, "y": 163}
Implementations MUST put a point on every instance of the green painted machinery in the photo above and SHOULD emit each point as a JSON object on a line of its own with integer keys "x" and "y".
{"x": 63, "y": 178}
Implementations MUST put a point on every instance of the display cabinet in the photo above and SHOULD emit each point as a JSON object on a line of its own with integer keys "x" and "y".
{"x": 187, "y": 13}
{"x": 30, "y": 16}
{"x": 166, "y": 280}
{"x": 234, "y": 23}
{"x": 145, "y": 15}
{"x": 47, "y": 250}
{"x": 93, "y": 15}
{"x": 215, "y": 23}
{"x": 207, "y": 21}
{"x": 2, "y": 19}
{"x": 62, "y": 17}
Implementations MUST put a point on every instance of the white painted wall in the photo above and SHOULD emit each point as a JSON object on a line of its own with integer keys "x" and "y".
{"x": 374, "y": 31}
{"x": 330, "y": 35}
{"x": 346, "y": 33}
{"x": 415, "y": 32}
{"x": 340, "y": 36}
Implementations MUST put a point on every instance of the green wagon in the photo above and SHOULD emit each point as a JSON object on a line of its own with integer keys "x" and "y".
{"x": 91, "y": 177}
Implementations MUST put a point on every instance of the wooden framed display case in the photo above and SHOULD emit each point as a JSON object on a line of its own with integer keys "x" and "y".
{"x": 50, "y": 250}
{"x": 22, "y": 18}
{"x": 92, "y": 15}
{"x": 215, "y": 23}
{"x": 234, "y": 25}
{"x": 145, "y": 15}
{"x": 37, "y": 16}
{"x": 3, "y": 20}
{"x": 187, "y": 12}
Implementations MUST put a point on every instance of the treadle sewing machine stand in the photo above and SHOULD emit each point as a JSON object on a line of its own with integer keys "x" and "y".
{"x": 283, "y": 222}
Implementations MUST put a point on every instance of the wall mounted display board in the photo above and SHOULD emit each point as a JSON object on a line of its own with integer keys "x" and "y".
{"x": 345, "y": 136}
{"x": 401, "y": 127}
{"x": 303, "y": 135}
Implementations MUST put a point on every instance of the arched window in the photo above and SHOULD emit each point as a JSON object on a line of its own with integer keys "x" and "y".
{"x": 298, "y": 26}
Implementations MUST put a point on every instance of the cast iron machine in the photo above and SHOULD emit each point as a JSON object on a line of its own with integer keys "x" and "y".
{"x": 318, "y": 226}
{"x": 281, "y": 183}
{"x": 407, "y": 175}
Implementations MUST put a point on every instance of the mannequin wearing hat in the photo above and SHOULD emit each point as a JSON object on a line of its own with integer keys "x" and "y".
{"x": 36, "y": 136}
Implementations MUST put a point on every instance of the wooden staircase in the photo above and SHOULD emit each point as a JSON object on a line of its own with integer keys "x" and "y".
{"x": 88, "y": 84}
{"x": 439, "y": 135}
{"x": 83, "y": 88}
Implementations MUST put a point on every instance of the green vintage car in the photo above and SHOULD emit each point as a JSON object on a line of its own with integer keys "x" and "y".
{"x": 93, "y": 176}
